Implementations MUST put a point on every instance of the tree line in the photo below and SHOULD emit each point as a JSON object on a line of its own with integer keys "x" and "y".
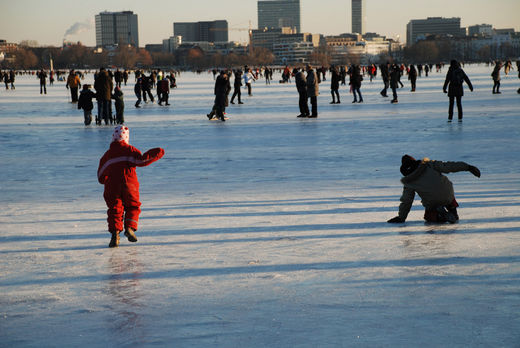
{"x": 78, "y": 56}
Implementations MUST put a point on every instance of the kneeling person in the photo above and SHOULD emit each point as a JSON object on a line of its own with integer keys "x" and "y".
{"x": 436, "y": 190}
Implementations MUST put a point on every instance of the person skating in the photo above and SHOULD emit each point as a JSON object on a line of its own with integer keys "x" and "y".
{"x": 436, "y": 191}
{"x": 236, "y": 85}
{"x": 103, "y": 85}
{"x": 313, "y": 90}
{"x": 118, "y": 77}
{"x": 74, "y": 83}
{"x": 42, "y": 75}
{"x": 496, "y": 77}
{"x": 120, "y": 105}
{"x": 138, "y": 92}
{"x": 412, "y": 76}
{"x": 222, "y": 89}
{"x": 301, "y": 86}
{"x": 248, "y": 79}
{"x": 395, "y": 76}
{"x": 355, "y": 83}
{"x": 163, "y": 90}
{"x": 12, "y": 77}
{"x": 146, "y": 86}
{"x": 85, "y": 103}
{"x": 334, "y": 85}
{"x": 5, "y": 78}
{"x": 117, "y": 172}
{"x": 455, "y": 77}
{"x": 385, "y": 75}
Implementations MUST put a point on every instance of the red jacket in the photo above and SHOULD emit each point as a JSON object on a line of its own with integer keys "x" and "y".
{"x": 119, "y": 162}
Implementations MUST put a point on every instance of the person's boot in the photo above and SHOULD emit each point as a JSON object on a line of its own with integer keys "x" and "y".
{"x": 114, "y": 241}
{"x": 444, "y": 215}
{"x": 453, "y": 211}
{"x": 129, "y": 233}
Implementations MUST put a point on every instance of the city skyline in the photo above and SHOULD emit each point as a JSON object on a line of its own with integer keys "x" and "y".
{"x": 32, "y": 19}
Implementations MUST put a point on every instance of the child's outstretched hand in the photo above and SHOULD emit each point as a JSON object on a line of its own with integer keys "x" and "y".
{"x": 474, "y": 170}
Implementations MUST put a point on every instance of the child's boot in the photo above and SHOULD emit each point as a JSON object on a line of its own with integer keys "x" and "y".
{"x": 129, "y": 233}
{"x": 114, "y": 241}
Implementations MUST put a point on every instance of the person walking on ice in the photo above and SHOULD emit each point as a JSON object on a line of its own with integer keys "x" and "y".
{"x": 455, "y": 77}
{"x": 117, "y": 172}
{"x": 436, "y": 190}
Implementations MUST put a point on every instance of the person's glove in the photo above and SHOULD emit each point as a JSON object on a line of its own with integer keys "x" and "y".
{"x": 474, "y": 170}
{"x": 471, "y": 88}
{"x": 444, "y": 90}
{"x": 395, "y": 220}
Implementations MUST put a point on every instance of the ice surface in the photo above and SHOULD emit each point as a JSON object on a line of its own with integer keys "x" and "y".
{"x": 265, "y": 230}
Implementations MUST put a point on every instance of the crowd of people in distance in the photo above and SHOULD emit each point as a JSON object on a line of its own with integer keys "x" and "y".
{"x": 108, "y": 85}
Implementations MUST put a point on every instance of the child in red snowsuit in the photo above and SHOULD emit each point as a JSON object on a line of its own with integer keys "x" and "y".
{"x": 117, "y": 172}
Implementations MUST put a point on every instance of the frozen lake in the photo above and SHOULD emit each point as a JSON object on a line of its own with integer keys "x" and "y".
{"x": 265, "y": 230}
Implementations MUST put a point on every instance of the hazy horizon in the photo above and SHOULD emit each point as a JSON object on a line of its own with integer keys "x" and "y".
{"x": 51, "y": 22}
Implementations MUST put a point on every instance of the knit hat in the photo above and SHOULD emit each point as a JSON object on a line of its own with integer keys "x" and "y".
{"x": 408, "y": 165}
{"x": 121, "y": 133}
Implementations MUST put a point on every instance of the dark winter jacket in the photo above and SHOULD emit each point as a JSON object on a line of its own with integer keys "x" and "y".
{"x": 238, "y": 79}
{"x": 103, "y": 86}
{"x": 138, "y": 88}
{"x": 395, "y": 76}
{"x": 146, "y": 83}
{"x": 42, "y": 75}
{"x": 496, "y": 72}
{"x": 455, "y": 78}
{"x": 412, "y": 74}
{"x": 163, "y": 86}
{"x": 222, "y": 86}
{"x": 334, "y": 80}
{"x": 301, "y": 82}
{"x": 119, "y": 101}
{"x": 85, "y": 100}
{"x": 427, "y": 180}
{"x": 355, "y": 77}
{"x": 385, "y": 73}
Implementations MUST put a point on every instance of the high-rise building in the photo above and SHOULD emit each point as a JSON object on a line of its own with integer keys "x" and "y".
{"x": 114, "y": 28}
{"x": 358, "y": 16}
{"x": 214, "y": 31}
{"x": 419, "y": 29}
{"x": 279, "y": 14}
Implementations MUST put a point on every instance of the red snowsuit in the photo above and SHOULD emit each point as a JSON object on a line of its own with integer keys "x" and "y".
{"x": 117, "y": 172}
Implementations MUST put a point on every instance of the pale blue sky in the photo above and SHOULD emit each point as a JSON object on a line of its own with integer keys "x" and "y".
{"x": 47, "y": 21}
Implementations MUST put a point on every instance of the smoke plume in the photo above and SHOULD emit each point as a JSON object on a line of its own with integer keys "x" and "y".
{"x": 79, "y": 27}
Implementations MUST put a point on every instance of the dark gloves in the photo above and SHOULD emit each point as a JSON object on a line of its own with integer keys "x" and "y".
{"x": 444, "y": 90}
{"x": 395, "y": 220}
{"x": 474, "y": 170}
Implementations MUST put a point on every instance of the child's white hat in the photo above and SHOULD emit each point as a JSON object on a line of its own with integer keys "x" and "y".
{"x": 121, "y": 133}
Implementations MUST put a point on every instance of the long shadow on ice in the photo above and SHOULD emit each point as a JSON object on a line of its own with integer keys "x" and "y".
{"x": 282, "y": 268}
{"x": 425, "y": 229}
